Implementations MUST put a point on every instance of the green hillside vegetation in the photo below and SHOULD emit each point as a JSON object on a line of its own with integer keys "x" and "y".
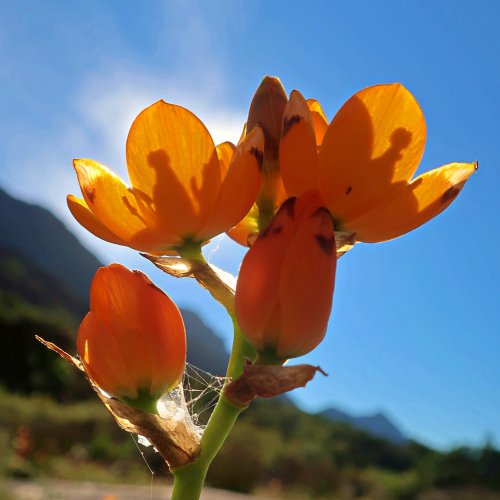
{"x": 32, "y": 301}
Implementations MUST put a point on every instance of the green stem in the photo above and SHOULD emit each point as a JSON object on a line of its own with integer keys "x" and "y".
{"x": 241, "y": 350}
{"x": 189, "y": 479}
{"x": 191, "y": 250}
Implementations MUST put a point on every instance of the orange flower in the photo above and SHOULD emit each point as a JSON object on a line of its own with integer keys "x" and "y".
{"x": 132, "y": 342}
{"x": 285, "y": 285}
{"x": 184, "y": 189}
{"x": 364, "y": 161}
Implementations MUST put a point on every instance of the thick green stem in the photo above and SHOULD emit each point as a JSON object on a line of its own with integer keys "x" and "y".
{"x": 189, "y": 479}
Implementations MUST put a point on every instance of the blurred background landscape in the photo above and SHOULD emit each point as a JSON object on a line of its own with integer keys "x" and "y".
{"x": 411, "y": 406}
{"x": 53, "y": 426}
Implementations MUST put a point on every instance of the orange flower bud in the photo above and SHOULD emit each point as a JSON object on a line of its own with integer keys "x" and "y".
{"x": 132, "y": 342}
{"x": 265, "y": 113}
{"x": 285, "y": 286}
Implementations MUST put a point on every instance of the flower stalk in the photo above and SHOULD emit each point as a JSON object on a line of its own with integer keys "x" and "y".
{"x": 189, "y": 479}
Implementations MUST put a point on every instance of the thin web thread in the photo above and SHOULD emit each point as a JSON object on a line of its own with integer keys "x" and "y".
{"x": 147, "y": 465}
{"x": 220, "y": 240}
{"x": 201, "y": 392}
{"x": 191, "y": 401}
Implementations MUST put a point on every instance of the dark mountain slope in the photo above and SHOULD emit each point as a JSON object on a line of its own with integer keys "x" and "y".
{"x": 377, "y": 425}
{"x": 38, "y": 235}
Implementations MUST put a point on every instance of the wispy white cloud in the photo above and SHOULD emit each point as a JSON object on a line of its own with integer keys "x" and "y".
{"x": 107, "y": 105}
{"x": 106, "y": 108}
{"x": 103, "y": 106}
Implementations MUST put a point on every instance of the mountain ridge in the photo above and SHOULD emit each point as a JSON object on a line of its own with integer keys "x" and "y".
{"x": 40, "y": 236}
{"x": 377, "y": 424}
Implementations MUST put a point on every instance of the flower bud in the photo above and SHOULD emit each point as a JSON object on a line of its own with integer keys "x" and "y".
{"x": 132, "y": 342}
{"x": 285, "y": 286}
{"x": 266, "y": 111}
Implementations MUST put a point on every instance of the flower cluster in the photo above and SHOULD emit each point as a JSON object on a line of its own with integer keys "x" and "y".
{"x": 292, "y": 188}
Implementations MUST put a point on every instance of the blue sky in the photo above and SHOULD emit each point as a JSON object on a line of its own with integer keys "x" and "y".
{"x": 415, "y": 329}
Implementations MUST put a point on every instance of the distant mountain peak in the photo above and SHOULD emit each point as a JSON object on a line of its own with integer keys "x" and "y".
{"x": 376, "y": 424}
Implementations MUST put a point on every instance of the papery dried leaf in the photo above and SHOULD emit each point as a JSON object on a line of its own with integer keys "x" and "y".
{"x": 175, "y": 440}
{"x": 344, "y": 242}
{"x": 268, "y": 381}
{"x": 70, "y": 359}
{"x": 219, "y": 283}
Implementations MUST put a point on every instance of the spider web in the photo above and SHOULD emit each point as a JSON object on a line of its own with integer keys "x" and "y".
{"x": 201, "y": 392}
{"x": 192, "y": 400}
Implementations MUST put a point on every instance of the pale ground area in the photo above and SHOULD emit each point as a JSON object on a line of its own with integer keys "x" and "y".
{"x": 68, "y": 490}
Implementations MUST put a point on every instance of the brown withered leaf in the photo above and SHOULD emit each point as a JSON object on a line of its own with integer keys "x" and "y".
{"x": 70, "y": 359}
{"x": 175, "y": 440}
{"x": 268, "y": 381}
{"x": 220, "y": 284}
{"x": 344, "y": 242}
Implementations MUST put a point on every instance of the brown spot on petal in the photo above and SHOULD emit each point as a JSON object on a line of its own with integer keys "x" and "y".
{"x": 322, "y": 212}
{"x": 288, "y": 123}
{"x": 264, "y": 233}
{"x": 259, "y": 156}
{"x": 277, "y": 230}
{"x": 90, "y": 192}
{"x": 348, "y": 190}
{"x": 289, "y": 206}
{"x": 326, "y": 244}
{"x": 450, "y": 194}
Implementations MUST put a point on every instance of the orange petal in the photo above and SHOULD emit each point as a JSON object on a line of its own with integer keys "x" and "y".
{"x": 421, "y": 200}
{"x": 172, "y": 159}
{"x": 127, "y": 214}
{"x": 373, "y": 145}
{"x": 145, "y": 324}
{"x": 298, "y": 155}
{"x": 88, "y": 220}
{"x": 307, "y": 280}
{"x": 103, "y": 360}
{"x": 225, "y": 153}
{"x": 240, "y": 186}
{"x": 246, "y": 231}
{"x": 320, "y": 121}
{"x": 258, "y": 286}
{"x": 243, "y": 133}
